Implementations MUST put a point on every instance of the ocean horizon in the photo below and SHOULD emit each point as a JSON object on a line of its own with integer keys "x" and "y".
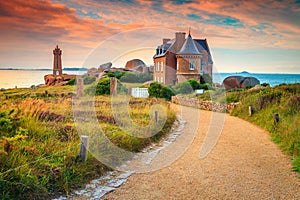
{"x": 25, "y": 78}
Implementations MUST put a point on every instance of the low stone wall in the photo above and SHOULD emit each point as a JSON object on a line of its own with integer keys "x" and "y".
{"x": 205, "y": 105}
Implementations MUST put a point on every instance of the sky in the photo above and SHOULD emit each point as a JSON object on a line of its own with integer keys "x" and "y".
{"x": 255, "y": 36}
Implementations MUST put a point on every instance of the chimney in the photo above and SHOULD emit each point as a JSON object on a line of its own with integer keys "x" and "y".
{"x": 180, "y": 38}
{"x": 165, "y": 40}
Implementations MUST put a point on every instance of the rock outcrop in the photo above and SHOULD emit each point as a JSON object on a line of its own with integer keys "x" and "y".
{"x": 135, "y": 64}
{"x": 239, "y": 82}
{"x": 104, "y": 66}
{"x": 51, "y": 80}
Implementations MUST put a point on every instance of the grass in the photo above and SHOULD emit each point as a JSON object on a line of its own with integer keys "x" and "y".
{"x": 39, "y": 144}
{"x": 284, "y": 100}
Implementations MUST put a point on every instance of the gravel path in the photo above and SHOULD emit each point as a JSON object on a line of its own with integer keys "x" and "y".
{"x": 245, "y": 164}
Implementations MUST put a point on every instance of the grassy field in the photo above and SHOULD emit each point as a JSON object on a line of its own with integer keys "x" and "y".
{"x": 39, "y": 144}
{"x": 284, "y": 100}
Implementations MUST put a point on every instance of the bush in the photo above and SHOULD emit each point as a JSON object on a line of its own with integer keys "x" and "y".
{"x": 194, "y": 84}
{"x": 206, "y": 86}
{"x": 130, "y": 77}
{"x": 265, "y": 84}
{"x": 89, "y": 79}
{"x": 72, "y": 82}
{"x": 103, "y": 88}
{"x": 206, "y": 78}
{"x": 86, "y": 80}
{"x": 183, "y": 88}
{"x": 159, "y": 91}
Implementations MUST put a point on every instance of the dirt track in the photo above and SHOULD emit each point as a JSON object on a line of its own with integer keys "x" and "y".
{"x": 245, "y": 164}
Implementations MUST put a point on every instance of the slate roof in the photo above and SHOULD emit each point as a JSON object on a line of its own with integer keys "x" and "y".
{"x": 165, "y": 47}
{"x": 189, "y": 47}
{"x": 200, "y": 44}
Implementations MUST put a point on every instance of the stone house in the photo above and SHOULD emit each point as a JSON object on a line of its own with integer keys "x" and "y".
{"x": 181, "y": 59}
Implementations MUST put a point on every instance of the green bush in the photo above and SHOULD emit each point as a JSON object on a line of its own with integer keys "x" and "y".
{"x": 86, "y": 80}
{"x": 206, "y": 78}
{"x": 206, "y": 86}
{"x": 72, "y": 82}
{"x": 194, "y": 84}
{"x": 103, "y": 88}
{"x": 183, "y": 88}
{"x": 159, "y": 91}
{"x": 265, "y": 84}
{"x": 89, "y": 79}
{"x": 130, "y": 77}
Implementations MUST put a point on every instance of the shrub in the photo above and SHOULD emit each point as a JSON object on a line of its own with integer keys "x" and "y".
{"x": 103, "y": 88}
{"x": 130, "y": 77}
{"x": 72, "y": 82}
{"x": 183, "y": 88}
{"x": 160, "y": 91}
{"x": 194, "y": 84}
{"x": 206, "y": 78}
{"x": 89, "y": 79}
{"x": 265, "y": 84}
{"x": 86, "y": 80}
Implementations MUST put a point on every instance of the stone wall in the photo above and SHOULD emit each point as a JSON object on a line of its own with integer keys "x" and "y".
{"x": 205, "y": 105}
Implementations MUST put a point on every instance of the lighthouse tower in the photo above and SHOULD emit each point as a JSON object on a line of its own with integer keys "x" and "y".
{"x": 57, "y": 66}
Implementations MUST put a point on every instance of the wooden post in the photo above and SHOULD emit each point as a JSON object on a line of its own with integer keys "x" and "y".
{"x": 84, "y": 144}
{"x": 79, "y": 87}
{"x": 276, "y": 118}
{"x": 113, "y": 86}
{"x": 156, "y": 116}
{"x": 250, "y": 111}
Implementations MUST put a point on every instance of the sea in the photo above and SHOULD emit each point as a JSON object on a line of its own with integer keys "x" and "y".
{"x": 27, "y": 78}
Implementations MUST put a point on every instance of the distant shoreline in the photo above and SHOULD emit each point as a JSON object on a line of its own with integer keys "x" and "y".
{"x": 64, "y": 69}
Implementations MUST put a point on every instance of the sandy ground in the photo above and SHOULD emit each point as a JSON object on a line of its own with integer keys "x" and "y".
{"x": 244, "y": 164}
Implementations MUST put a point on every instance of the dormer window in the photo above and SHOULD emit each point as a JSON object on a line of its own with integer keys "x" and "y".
{"x": 192, "y": 66}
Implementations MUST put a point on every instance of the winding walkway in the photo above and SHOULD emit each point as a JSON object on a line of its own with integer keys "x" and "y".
{"x": 244, "y": 164}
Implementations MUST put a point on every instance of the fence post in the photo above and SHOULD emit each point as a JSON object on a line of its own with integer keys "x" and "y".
{"x": 156, "y": 116}
{"x": 84, "y": 146}
{"x": 79, "y": 87}
{"x": 276, "y": 118}
{"x": 250, "y": 111}
{"x": 113, "y": 86}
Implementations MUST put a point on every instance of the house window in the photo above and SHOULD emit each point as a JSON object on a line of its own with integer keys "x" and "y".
{"x": 162, "y": 66}
{"x": 177, "y": 65}
{"x": 162, "y": 79}
{"x": 192, "y": 66}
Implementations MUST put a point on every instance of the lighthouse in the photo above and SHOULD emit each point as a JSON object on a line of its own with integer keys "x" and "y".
{"x": 57, "y": 65}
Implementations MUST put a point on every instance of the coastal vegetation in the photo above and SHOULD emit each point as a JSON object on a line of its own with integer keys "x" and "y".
{"x": 39, "y": 144}
{"x": 282, "y": 99}
{"x": 265, "y": 102}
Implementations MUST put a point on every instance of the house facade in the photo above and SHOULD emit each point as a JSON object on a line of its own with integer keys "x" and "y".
{"x": 181, "y": 59}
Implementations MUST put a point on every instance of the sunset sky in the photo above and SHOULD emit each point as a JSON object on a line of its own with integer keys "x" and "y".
{"x": 256, "y": 36}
